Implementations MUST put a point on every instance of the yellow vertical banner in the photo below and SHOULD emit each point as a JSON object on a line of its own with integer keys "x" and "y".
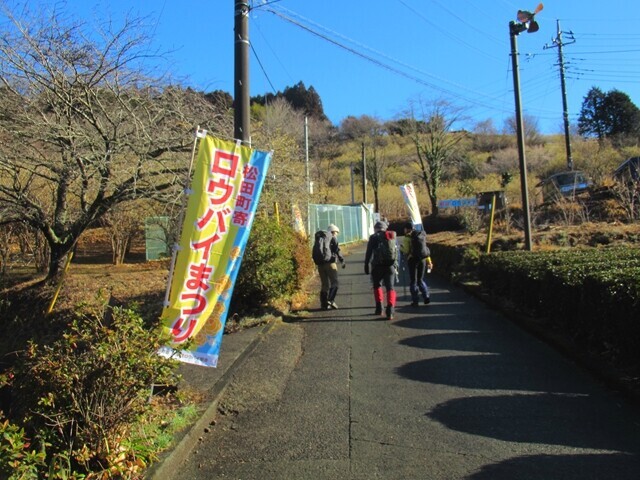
{"x": 222, "y": 202}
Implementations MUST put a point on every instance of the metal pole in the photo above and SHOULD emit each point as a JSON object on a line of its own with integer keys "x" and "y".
{"x": 490, "y": 233}
{"x": 306, "y": 154}
{"x": 364, "y": 176}
{"x": 241, "y": 72}
{"x": 513, "y": 32}
{"x": 565, "y": 109}
{"x": 353, "y": 198}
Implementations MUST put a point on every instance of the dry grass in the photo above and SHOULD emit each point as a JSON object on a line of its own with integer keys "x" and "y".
{"x": 92, "y": 276}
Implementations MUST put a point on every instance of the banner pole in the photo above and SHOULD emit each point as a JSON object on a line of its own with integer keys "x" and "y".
{"x": 493, "y": 209}
{"x": 197, "y": 136}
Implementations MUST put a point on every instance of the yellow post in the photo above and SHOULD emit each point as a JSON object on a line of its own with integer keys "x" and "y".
{"x": 493, "y": 209}
{"x": 64, "y": 272}
{"x": 277, "y": 212}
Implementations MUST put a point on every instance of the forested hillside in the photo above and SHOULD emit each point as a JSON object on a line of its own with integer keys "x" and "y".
{"x": 428, "y": 144}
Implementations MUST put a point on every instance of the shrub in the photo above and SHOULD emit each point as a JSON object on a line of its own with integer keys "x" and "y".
{"x": 17, "y": 459}
{"x": 301, "y": 252}
{"x": 82, "y": 392}
{"x": 271, "y": 267}
{"x": 472, "y": 219}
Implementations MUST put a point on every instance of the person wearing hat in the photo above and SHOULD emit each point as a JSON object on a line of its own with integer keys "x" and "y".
{"x": 381, "y": 273}
{"x": 329, "y": 272}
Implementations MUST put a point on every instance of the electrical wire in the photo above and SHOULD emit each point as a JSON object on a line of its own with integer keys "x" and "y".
{"x": 469, "y": 25}
{"x": 390, "y": 68}
{"x": 446, "y": 32}
{"x": 540, "y": 87}
{"x": 266, "y": 41}
{"x": 264, "y": 4}
{"x": 255, "y": 54}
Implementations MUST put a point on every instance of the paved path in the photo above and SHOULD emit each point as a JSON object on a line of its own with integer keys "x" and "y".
{"x": 452, "y": 390}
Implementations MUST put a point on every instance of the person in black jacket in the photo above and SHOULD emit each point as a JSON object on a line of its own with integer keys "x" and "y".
{"x": 416, "y": 264}
{"x": 329, "y": 272}
{"x": 380, "y": 274}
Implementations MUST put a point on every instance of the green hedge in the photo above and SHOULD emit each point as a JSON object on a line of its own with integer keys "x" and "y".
{"x": 593, "y": 295}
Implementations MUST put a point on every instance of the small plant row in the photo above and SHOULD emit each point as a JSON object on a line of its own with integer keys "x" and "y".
{"x": 592, "y": 295}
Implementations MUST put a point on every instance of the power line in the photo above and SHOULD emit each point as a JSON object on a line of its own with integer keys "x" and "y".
{"x": 588, "y": 77}
{"x": 264, "y": 4}
{"x": 255, "y": 54}
{"x": 264, "y": 38}
{"x": 388, "y": 67}
{"x": 469, "y": 25}
{"x": 445, "y": 32}
{"x": 606, "y": 52}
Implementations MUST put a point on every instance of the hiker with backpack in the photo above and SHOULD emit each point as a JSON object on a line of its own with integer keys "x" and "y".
{"x": 414, "y": 248}
{"x": 382, "y": 255}
{"x": 326, "y": 254}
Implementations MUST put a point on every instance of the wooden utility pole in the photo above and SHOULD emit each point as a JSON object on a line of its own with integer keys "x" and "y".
{"x": 241, "y": 129}
{"x": 557, "y": 42}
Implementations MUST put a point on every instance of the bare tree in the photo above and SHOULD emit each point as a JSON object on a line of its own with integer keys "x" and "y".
{"x": 324, "y": 152}
{"x": 356, "y": 128}
{"x": 84, "y": 127}
{"x": 282, "y": 130}
{"x": 378, "y": 161}
{"x": 532, "y": 135}
{"x": 627, "y": 192}
{"x": 436, "y": 143}
{"x": 373, "y": 136}
{"x": 124, "y": 222}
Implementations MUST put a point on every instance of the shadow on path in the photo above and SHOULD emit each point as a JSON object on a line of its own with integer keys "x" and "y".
{"x": 566, "y": 467}
{"x": 550, "y": 419}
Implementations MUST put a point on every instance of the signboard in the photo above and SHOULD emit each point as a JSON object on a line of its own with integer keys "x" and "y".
{"x": 458, "y": 203}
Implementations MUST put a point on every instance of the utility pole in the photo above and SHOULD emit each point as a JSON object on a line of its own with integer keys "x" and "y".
{"x": 557, "y": 42}
{"x": 364, "y": 176}
{"x": 241, "y": 72}
{"x": 306, "y": 155}
{"x": 514, "y": 30}
{"x": 353, "y": 198}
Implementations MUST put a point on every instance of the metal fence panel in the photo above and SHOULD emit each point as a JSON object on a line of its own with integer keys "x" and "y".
{"x": 354, "y": 221}
{"x": 155, "y": 236}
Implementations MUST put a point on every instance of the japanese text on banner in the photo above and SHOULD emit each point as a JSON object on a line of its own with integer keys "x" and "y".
{"x": 223, "y": 199}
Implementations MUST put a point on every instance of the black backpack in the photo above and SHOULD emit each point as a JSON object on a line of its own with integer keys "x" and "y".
{"x": 419, "y": 248}
{"x": 385, "y": 251}
{"x": 321, "y": 251}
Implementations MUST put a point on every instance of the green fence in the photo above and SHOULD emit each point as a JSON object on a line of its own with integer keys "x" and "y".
{"x": 354, "y": 221}
{"x": 155, "y": 236}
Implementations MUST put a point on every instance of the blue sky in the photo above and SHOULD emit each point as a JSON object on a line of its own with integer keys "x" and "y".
{"x": 372, "y": 57}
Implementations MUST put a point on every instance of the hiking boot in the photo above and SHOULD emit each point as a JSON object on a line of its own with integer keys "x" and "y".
{"x": 414, "y": 303}
{"x": 324, "y": 301}
{"x": 427, "y": 301}
{"x": 378, "y": 309}
{"x": 389, "y": 312}
{"x": 333, "y": 305}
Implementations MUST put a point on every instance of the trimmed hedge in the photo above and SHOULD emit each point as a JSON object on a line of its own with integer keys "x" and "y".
{"x": 592, "y": 295}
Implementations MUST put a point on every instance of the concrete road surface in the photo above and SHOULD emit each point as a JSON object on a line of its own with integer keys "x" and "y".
{"x": 451, "y": 390}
